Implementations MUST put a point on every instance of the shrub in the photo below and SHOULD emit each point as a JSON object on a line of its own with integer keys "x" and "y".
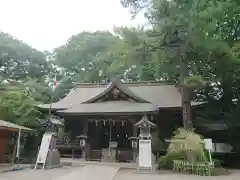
{"x": 189, "y": 142}
{"x": 166, "y": 162}
{"x": 217, "y": 163}
{"x": 188, "y": 147}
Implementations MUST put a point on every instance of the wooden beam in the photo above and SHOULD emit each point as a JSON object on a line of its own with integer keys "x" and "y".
{"x": 9, "y": 129}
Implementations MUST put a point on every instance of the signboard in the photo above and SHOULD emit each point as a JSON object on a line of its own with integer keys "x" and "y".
{"x": 145, "y": 153}
{"x": 113, "y": 144}
{"x": 43, "y": 151}
{"x": 208, "y": 144}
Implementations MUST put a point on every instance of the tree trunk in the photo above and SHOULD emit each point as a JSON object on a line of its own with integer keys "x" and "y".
{"x": 185, "y": 92}
{"x": 186, "y": 108}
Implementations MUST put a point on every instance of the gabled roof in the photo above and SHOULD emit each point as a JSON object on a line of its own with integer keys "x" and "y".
{"x": 117, "y": 84}
{"x": 159, "y": 94}
{"x": 144, "y": 121}
{"x": 13, "y": 127}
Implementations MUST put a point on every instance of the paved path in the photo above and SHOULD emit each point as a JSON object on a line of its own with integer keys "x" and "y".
{"x": 103, "y": 172}
{"x": 30, "y": 174}
{"x": 88, "y": 172}
{"x": 91, "y": 172}
{"x": 131, "y": 175}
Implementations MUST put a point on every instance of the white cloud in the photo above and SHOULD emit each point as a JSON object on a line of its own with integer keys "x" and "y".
{"x": 46, "y": 24}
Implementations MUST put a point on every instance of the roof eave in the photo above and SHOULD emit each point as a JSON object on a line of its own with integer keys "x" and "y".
{"x": 47, "y": 107}
{"x": 108, "y": 113}
{"x": 199, "y": 104}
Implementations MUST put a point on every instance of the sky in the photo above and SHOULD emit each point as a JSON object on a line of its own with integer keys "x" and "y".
{"x": 47, "y": 24}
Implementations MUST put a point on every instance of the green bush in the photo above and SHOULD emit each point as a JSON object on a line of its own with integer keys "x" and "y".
{"x": 189, "y": 142}
{"x": 166, "y": 162}
{"x": 188, "y": 146}
{"x": 217, "y": 163}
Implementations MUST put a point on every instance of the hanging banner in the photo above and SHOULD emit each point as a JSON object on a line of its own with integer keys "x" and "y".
{"x": 145, "y": 153}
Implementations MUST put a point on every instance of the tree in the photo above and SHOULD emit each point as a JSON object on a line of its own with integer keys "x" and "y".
{"x": 139, "y": 63}
{"x": 87, "y": 57}
{"x": 18, "y": 107}
{"x": 193, "y": 36}
{"x": 18, "y": 60}
{"x": 175, "y": 33}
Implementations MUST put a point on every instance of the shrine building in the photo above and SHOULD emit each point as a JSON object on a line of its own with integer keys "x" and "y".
{"x": 105, "y": 114}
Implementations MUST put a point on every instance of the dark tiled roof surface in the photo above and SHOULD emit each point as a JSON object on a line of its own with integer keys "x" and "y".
{"x": 156, "y": 94}
{"x": 111, "y": 107}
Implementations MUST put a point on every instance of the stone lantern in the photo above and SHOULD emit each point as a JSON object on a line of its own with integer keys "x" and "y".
{"x": 82, "y": 143}
{"x": 82, "y": 140}
{"x": 145, "y": 160}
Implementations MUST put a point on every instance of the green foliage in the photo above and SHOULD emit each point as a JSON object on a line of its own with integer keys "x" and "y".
{"x": 166, "y": 162}
{"x": 189, "y": 142}
{"x": 207, "y": 34}
{"x": 23, "y": 81}
{"x": 157, "y": 143}
{"x": 217, "y": 163}
{"x": 197, "y": 168}
{"x": 88, "y": 56}
{"x": 186, "y": 146}
{"x": 93, "y": 57}
{"x": 18, "y": 107}
{"x": 195, "y": 82}
{"x": 196, "y": 40}
{"x": 186, "y": 154}
{"x": 18, "y": 60}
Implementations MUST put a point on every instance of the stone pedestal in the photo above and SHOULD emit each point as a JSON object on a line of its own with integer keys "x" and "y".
{"x": 112, "y": 157}
{"x": 53, "y": 158}
{"x": 105, "y": 155}
{"x": 147, "y": 169}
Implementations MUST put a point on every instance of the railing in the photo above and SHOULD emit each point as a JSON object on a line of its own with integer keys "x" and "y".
{"x": 124, "y": 155}
{"x": 202, "y": 168}
{"x": 96, "y": 155}
{"x": 68, "y": 143}
{"x": 69, "y": 148}
{"x": 72, "y": 148}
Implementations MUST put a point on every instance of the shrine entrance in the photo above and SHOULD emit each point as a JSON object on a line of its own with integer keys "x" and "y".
{"x": 109, "y": 140}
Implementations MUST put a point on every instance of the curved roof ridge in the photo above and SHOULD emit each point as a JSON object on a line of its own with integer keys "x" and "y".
{"x": 121, "y": 87}
{"x": 128, "y": 83}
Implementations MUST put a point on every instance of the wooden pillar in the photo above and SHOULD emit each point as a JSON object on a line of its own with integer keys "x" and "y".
{"x": 134, "y": 148}
{"x": 85, "y": 133}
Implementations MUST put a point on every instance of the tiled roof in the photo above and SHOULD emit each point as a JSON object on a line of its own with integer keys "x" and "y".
{"x": 111, "y": 107}
{"x": 158, "y": 94}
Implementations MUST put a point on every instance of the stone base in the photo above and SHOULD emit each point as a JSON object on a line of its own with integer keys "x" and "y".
{"x": 106, "y": 157}
{"x": 151, "y": 169}
{"x": 53, "y": 158}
